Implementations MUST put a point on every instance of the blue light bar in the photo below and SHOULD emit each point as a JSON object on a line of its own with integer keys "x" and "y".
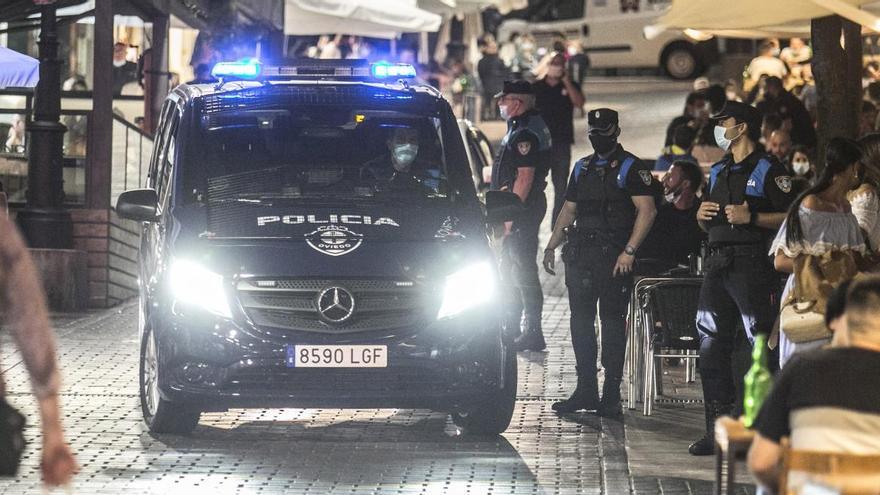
{"x": 245, "y": 69}
{"x": 385, "y": 70}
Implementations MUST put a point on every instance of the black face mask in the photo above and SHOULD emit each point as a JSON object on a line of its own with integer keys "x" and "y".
{"x": 602, "y": 144}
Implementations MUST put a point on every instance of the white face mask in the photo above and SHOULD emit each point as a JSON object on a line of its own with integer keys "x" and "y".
{"x": 119, "y": 63}
{"x": 504, "y": 111}
{"x": 800, "y": 167}
{"x": 404, "y": 154}
{"x": 721, "y": 139}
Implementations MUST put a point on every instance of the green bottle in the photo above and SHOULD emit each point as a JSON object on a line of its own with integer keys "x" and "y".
{"x": 757, "y": 381}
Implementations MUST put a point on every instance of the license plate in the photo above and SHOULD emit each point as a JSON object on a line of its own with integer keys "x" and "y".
{"x": 337, "y": 356}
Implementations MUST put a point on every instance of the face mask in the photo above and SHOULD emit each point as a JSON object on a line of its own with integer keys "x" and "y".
{"x": 800, "y": 167}
{"x": 721, "y": 139}
{"x": 119, "y": 63}
{"x": 554, "y": 71}
{"x": 504, "y": 111}
{"x": 602, "y": 144}
{"x": 404, "y": 154}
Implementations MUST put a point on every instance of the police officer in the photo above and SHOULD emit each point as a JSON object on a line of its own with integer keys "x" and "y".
{"x": 749, "y": 193}
{"x": 609, "y": 209}
{"x": 521, "y": 167}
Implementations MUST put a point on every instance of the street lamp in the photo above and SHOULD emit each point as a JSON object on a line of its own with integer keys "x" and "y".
{"x": 44, "y": 221}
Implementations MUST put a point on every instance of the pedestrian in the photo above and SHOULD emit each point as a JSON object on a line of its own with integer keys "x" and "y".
{"x": 794, "y": 114}
{"x": 679, "y": 149}
{"x": 820, "y": 221}
{"x": 609, "y": 209}
{"x": 493, "y": 73}
{"x": 557, "y": 97}
{"x": 749, "y": 193}
{"x": 26, "y": 318}
{"x": 521, "y": 166}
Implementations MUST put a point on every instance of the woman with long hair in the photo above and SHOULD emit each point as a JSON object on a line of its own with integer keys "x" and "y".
{"x": 819, "y": 221}
{"x": 865, "y": 200}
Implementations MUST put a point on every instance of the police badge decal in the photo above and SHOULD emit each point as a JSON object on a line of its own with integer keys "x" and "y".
{"x": 334, "y": 240}
{"x": 784, "y": 183}
{"x": 646, "y": 176}
{"x": 524, "y": 147}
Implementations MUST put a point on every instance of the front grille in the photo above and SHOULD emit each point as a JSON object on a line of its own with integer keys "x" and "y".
{"x": 321, "y": 380}
{"x": 291, "y": 305}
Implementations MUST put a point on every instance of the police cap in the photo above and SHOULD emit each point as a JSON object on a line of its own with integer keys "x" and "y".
{"x": 519, "y": 87}
{"x": 602, "y": 120}
{"x": 741, "y": 112}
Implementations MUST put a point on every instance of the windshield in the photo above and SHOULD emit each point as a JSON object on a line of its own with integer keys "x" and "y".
{"x": 316, "y": 153}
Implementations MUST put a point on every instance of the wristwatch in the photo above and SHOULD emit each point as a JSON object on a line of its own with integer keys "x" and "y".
{"x": 629, "y": 250}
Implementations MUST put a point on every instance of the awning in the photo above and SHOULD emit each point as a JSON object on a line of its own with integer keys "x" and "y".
{"x": 376, "y": 18}
{"x": 761, "y": 18}
{"x": 17, "y": 70}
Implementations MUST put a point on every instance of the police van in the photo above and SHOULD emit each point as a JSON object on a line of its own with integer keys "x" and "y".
{"x": 313, "y": 238}
{"x": 612, "y": 33}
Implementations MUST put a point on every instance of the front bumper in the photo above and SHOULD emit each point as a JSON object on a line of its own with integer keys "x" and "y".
{"x": 217, "y": 364}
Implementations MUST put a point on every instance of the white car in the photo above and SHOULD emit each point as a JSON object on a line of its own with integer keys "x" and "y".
{"x": 612, "y": 34}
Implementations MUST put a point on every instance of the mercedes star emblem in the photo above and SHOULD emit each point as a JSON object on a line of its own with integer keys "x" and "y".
{"x": 335, "y": 304}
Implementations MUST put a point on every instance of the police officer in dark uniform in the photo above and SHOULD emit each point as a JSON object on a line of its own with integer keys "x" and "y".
{"x": 749, "y": 193}
{"x": 521, "y": 166}
{"x": 609, "y": 209}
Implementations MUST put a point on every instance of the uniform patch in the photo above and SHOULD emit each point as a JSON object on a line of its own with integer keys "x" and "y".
{"x": 524, "y": 147}
{"x": 646, "y": 176}
{"x": 784, "y": 183}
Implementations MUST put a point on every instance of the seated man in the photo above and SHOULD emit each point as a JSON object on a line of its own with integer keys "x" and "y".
{"x": 826, "y": 400}
{"x": 675, "y": 233}
{"x": 682, "y": 143}
{"x": 396, "y": 168}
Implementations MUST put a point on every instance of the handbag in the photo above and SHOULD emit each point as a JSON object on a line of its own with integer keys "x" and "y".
{"x": 802, "y": 317}
{"x": 12, "y": 441}
{"x": 801, "y": 322}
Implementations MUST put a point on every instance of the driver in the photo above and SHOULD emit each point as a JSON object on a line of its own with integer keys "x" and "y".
{"x": 403, "y": 149}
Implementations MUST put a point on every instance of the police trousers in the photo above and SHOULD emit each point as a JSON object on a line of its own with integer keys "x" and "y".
{"x": 522, "y": 296}
{"x": 589, "y": 264}
{"x": 738, "y": 287}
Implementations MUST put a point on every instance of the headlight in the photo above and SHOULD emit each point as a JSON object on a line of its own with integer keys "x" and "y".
{"x": 193, "y": 284}
{"x": 467, "y": 288}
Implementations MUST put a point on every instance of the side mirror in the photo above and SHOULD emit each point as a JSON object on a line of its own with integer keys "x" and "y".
{"x": 138, "y": 204}
{"x": 502, "y": 206}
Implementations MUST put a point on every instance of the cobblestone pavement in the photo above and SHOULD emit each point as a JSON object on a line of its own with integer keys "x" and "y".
{"x": 359, "y": 452}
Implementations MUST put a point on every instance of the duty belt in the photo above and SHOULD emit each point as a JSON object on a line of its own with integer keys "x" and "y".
{"x": 736, "y": 250}
{"x": 604, "y": 237}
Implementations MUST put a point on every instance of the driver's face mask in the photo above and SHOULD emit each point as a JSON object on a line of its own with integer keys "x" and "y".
{"x": 404, "y": 155}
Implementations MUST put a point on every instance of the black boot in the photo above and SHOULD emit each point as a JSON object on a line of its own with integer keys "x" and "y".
{"x": 610, "y": 405}
{"x": 532, "y": 338}
{"x": 584, "y": 397}
{"x": 706, "y": 445}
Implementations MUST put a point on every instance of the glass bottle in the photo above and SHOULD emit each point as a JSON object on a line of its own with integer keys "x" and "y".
{"x": 757, "y": 381}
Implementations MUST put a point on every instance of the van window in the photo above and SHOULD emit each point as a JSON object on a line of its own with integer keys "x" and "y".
{"x": 313, "y": 153}
{"x": 166, "y": 154}
{"x": 157, "y": 145}
{"x": 558, "y": 10}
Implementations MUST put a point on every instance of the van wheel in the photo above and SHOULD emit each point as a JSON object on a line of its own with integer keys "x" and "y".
{"x": 160, "y": 415}
{"x": 492, "y": 416}
{"x": 679, "y": 60}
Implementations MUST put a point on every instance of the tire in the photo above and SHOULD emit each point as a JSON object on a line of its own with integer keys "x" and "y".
{"x": 492, "y": 416}
{"x": 160, "y": 415}
{"x": 680, "y": 61}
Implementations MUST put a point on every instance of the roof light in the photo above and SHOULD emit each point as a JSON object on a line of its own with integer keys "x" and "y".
{"x": 384, "y": 70}
{"x": 244, "y": 69}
